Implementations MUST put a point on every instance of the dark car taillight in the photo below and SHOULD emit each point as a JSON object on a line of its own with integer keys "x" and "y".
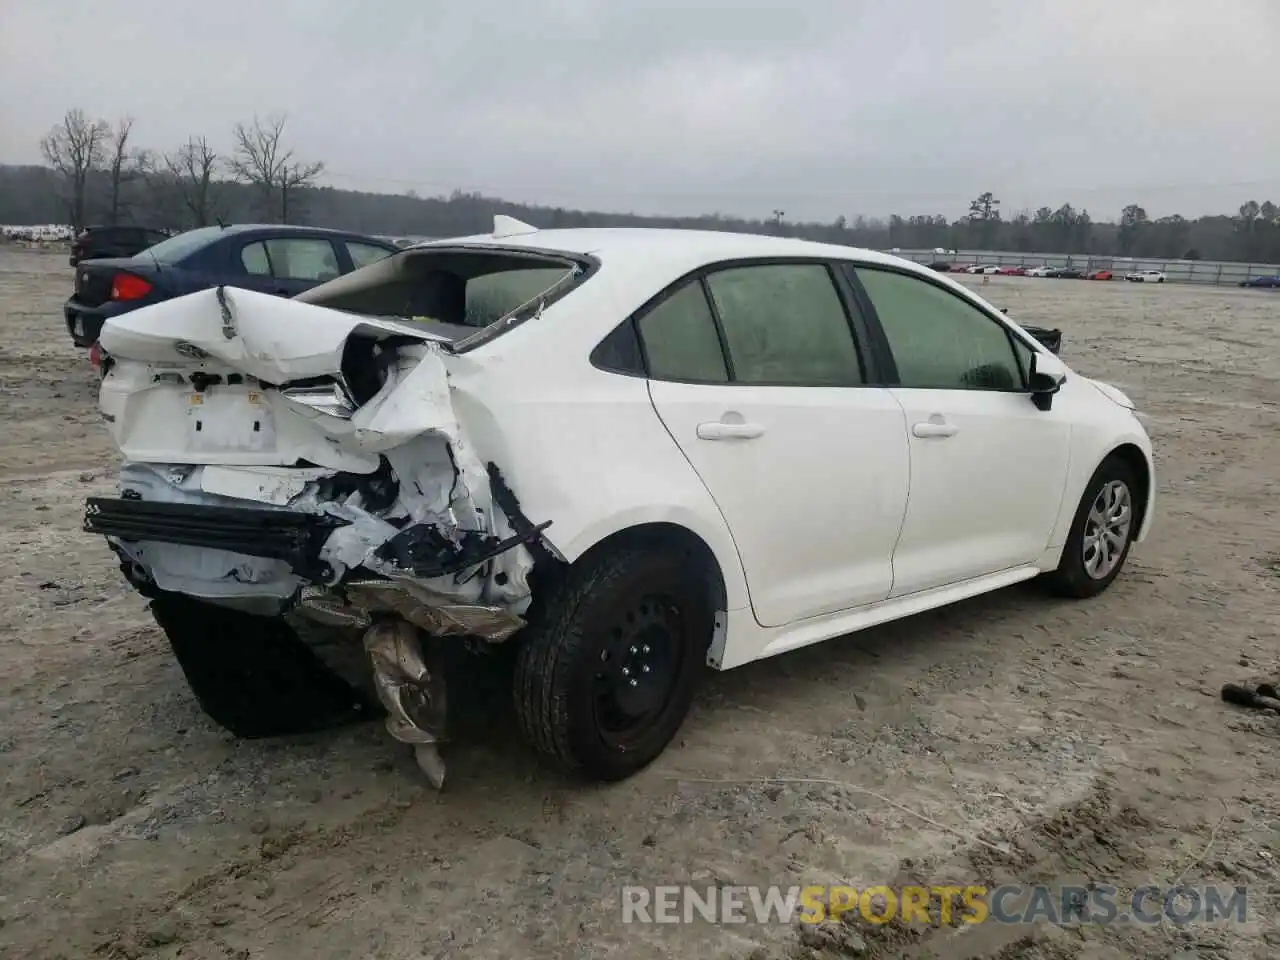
{"x": 129, "y": 286}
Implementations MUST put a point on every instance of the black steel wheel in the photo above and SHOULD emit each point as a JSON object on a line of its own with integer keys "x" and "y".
{"x": 608, "y": 666}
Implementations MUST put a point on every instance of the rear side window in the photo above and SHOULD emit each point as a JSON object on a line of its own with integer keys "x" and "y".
{"x": 785, "y": 325}
{"x": 680, "y": 339}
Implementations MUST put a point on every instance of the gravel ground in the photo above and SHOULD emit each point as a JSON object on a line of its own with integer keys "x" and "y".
{"x": 1085, "y": 740}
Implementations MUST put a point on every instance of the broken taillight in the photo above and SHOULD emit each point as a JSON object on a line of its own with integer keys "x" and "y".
{"x": 129, "y": 286}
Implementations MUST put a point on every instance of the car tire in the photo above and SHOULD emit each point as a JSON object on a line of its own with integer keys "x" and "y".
{"x": 253, "y": 675}
{"x": 1074, "y": 577}
{"x": 622, "y": 636}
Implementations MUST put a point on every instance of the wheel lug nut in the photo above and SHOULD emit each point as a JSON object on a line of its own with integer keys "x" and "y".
{"x": 633, "y": 683}
{"x": 626, "y": 671}
{"x": 645, "y": 648}
{"x": 633, "y": 649}
{"x": 645, "y": 668}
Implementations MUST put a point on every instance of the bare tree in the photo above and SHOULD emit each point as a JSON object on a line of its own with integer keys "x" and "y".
{"x": 75, "y": 147}
{"x": 262, "y": 161}
{"x": 124, "y": 165}
{"x": 293, "y": 176}
{"x": 191, "y": 168}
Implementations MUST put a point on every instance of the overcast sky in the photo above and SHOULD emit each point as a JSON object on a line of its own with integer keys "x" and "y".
{"x": 815, "y": 107}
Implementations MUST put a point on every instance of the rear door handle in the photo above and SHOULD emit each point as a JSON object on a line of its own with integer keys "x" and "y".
{"x": 719, "y": 430}
{"x": 933, "y": 428}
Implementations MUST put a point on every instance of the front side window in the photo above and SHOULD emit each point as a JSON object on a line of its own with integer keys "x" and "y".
{"x": 785, "y": 325}
{"x": 939, "y": 340}
{"x": 680, "y": 339}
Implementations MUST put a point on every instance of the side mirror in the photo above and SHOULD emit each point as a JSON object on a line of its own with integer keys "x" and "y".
{"x": 1048, "y": 373}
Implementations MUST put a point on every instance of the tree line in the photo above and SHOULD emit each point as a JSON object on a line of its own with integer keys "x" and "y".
{"x": 96, "y": 173}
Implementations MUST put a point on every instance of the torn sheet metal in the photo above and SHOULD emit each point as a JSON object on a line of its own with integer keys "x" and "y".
{"x": 409, "y": 679}
{"x": 437, "y": 614}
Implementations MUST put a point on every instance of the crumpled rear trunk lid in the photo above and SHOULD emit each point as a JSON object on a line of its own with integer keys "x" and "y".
{"x": 229, "y": 399}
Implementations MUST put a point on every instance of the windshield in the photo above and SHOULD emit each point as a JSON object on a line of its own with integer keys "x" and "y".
{"x": 182, "y": 246}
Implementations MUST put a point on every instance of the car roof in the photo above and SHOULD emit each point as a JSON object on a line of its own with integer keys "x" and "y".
{"x": 693, "y": 247}
{"x": 237, "y": 228}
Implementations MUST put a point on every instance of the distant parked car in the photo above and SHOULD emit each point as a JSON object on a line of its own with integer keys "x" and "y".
{"x": 1101, "y": 275}
{"x": 1040, "y": 271}
{"x": 279, "y": 260}
{"x": 941, "y": 266}
{"x": 984, "y": 268}
{"x": 1065, "y": 273}
{"x": 1271, "y": 282}
{"x": 1012, "y": 271}
{"x": 1145, "y": 276}
{"x": 96, "y": 243}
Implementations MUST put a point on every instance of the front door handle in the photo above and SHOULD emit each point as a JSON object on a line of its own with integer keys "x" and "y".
{"x": 934, "y": 428}
{"x": 719, "y": 430}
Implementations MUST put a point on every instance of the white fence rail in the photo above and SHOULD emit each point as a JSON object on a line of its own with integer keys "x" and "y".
{"x": 1219, "y": 272}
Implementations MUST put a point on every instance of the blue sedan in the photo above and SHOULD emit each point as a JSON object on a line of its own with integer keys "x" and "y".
{"x": 1273, "y": 282}
{"x": 280, "y": 260}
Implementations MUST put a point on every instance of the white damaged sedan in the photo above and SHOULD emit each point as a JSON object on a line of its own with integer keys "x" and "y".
{"x": 626, "y": 454}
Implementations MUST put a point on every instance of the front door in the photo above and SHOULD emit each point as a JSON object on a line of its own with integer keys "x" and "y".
{"x": 757, "y": 373}
{"x": 988, "y": 468}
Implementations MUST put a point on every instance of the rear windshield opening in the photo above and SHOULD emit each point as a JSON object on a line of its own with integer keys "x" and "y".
{"x": 454, "y": 293}
{"x": 183, "y": 245}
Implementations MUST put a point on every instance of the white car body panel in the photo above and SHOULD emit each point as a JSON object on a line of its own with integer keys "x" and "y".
{"x": 790, "y": 494}
{"x": 981, "y": 500}
{"x": 807, "y": 513}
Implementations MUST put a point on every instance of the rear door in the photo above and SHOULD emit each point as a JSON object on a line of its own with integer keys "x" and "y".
{"x": 759, "y": 372}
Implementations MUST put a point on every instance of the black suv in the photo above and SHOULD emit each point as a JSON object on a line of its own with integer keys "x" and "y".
{"x": 96, "y": 243}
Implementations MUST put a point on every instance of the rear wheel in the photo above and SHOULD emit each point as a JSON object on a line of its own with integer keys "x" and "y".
{"x": 609, "y": 665}
{"x": 1101, "y": 533}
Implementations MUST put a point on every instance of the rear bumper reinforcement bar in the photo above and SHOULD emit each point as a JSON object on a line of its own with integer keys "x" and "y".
{"x": 295, "y": 538}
